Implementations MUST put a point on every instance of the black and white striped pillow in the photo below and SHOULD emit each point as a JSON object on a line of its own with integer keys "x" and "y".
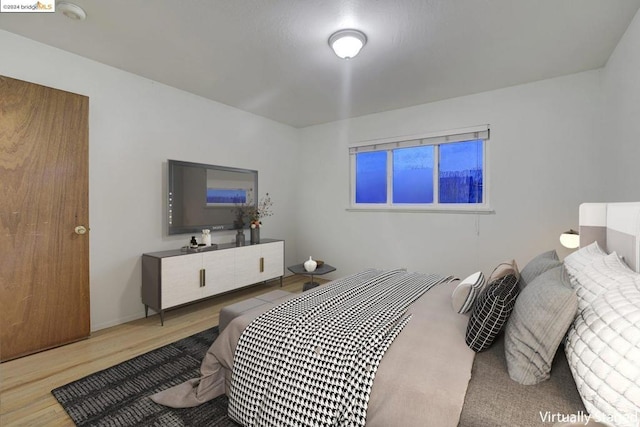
{"x": 465, "y": 294}
{"x": 491, "y": 312}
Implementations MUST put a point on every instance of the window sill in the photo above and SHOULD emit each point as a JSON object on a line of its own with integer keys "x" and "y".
{"x": 445, "y": 210}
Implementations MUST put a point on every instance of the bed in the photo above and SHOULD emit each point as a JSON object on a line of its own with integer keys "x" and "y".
{"x": 441, "y": 368}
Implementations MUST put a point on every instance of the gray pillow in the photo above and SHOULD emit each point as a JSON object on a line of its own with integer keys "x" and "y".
{"x": 543, "y": 262}
{"x": 541, "y": 317}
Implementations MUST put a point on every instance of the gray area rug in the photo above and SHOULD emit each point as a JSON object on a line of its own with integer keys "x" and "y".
{"x": 119, "y": 396}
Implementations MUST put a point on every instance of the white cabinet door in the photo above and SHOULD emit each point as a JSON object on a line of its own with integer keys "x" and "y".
{"x": 259, "y": 263}
{"x": 247, "y": 265}
{"x": 273, "y": 260}
{"x": 219, "y": 267}
{"x": 180, "y": 280}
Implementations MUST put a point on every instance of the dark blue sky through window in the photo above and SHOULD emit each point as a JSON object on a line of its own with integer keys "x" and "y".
{"x": 460, "y": 179}
{"x": 371, "y": 177}
{"x": 413, "y": 174}
{"x": 411, "y": 178}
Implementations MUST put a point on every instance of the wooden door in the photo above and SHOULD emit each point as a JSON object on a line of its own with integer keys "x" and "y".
{"x": 44, "y": 263}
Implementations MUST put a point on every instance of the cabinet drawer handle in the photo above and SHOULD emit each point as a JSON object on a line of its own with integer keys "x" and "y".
{"x": 261, "y": 264}
{"x": 202, "y": 278}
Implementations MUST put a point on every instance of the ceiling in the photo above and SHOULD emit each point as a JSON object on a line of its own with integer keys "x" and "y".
{"x": 271, "y": 57}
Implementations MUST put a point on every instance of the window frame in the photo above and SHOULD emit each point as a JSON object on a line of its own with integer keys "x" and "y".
{"x": 435, "y": 139}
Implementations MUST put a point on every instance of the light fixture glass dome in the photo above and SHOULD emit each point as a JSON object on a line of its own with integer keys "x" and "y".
{"x": 570, "y": 239}
{"x": 347, "y": 43}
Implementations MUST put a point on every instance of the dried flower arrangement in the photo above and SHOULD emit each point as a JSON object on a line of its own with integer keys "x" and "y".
{"x": 254, "y": 213}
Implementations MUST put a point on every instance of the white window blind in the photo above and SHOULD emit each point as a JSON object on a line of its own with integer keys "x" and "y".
{"x": 427, "y": 140}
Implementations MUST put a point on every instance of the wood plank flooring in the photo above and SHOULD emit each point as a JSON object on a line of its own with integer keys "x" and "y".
{"x": 26, "y": 383}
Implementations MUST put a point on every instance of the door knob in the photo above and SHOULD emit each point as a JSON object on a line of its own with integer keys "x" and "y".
{"x": 80, "y": 229}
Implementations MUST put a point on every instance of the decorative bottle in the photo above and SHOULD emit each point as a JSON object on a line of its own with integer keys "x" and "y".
{"x": 206, "y": 237}
{"x": 310, "y": 265}
{"x": 240, "y": 240}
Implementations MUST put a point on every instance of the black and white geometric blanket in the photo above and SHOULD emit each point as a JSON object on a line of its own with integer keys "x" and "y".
{"x": 311, "y": 361}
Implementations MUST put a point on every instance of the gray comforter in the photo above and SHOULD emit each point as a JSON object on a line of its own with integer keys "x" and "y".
{"x": 313, "y": 359}
{"x": 421, "y": 380}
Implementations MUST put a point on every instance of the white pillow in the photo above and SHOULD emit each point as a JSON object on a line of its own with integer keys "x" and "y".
{"x": 465, "y": 294}
{"x": 603, "y": 351}
{"x": 582, "y": 257}
{"x": 600, "y": 275}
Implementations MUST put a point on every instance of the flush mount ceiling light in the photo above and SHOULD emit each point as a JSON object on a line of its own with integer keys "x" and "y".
{"x": 72, "y": 11}
{"x": 347, "y": 43}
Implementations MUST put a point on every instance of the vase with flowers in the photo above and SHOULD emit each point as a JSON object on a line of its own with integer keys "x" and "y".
{"x": 254, "y": 214}
{"x": 262, "y": 210}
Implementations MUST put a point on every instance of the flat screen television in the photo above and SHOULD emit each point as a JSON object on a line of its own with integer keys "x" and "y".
{"x": 202, "y": 196}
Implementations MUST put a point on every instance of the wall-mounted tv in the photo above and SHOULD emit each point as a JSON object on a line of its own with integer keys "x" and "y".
{"x": 204, "y": 196}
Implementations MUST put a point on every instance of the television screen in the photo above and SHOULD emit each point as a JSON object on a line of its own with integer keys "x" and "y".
{"x": 202, "y": 196}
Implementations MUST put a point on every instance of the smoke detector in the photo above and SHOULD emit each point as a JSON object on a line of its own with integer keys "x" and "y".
{"x": 71, "y": 11}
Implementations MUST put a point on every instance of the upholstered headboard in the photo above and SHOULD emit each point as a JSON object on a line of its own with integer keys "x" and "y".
{"x": 615, "y": 226}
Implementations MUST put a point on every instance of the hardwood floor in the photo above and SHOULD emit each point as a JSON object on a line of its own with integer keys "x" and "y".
{"x": 26, "y": 383}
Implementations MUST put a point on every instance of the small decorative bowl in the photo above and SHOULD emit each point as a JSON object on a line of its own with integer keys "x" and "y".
{"x": 319, "y": 263}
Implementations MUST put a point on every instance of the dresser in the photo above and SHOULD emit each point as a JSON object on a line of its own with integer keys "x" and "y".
{"x": 172, "y": 278}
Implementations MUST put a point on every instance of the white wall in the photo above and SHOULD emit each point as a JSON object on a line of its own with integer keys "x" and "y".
{"x": 135, "y": 125}
{"x": 542, "y": 159}
{"x": 620, "y": 131}
{"x": 546, "y": 155}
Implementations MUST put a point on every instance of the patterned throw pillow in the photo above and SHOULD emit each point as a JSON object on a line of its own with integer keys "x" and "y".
{"x": 491, "y": 312}
{"x": 465, "y": 294}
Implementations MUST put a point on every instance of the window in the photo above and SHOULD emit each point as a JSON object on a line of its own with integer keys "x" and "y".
{"x": 439, "y": 172}
{"x": 371, "y": 181}
{"x": 460, "y": 172}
